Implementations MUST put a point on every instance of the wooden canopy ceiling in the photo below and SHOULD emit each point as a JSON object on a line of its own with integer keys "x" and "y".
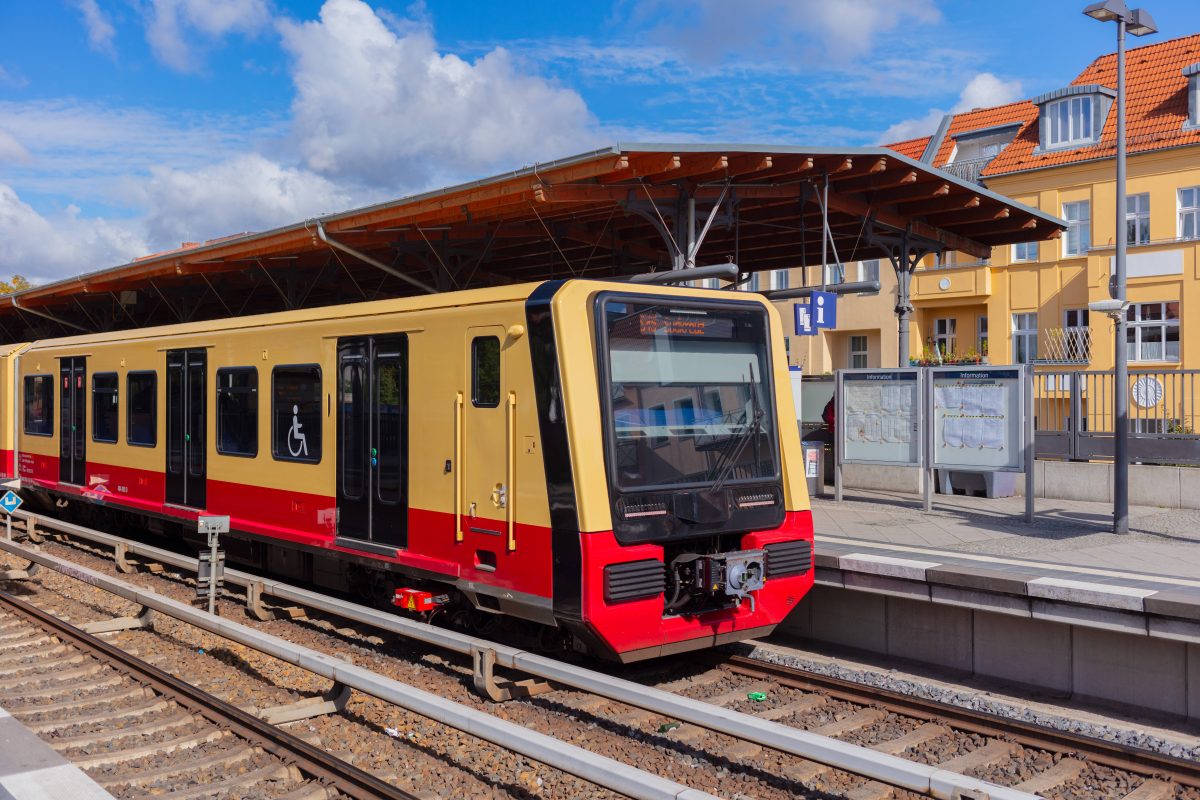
{"x": 609, "y": 213}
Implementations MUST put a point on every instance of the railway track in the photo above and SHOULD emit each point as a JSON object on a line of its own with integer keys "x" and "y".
{"x": 141, "y": 732}
{"x": 1027, "y": 758}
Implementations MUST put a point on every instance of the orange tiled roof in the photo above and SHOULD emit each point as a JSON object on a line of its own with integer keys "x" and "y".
{"x": 980, "y": 118}
{"x": 913, "y": 148}
{"x": 1156, "y": 108}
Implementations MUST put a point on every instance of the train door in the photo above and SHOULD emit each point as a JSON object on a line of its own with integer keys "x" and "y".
{"x": 72, "y": 458}
{"x": 485, "y": 435}
{"x": 187, "y": 426}
{"x": 372, "y": 444}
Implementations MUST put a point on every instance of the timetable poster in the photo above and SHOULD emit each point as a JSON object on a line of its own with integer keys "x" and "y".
{"x": 977, "y": 419}
{"x": 879, "y": 417}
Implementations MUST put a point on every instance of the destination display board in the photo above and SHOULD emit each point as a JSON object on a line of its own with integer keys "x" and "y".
{"x": 879, "y": 417}
{"x": 977, "y": 418}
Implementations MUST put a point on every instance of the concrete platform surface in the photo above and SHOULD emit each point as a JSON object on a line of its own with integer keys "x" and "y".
{"x": 31, "y": 770}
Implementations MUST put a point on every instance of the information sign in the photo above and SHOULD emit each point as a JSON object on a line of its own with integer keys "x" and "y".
{"x": 879, "y": 418}
{"x": 977, "y": 418}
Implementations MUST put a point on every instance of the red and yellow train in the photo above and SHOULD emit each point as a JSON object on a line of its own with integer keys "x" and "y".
{"x": 618, "y": 464}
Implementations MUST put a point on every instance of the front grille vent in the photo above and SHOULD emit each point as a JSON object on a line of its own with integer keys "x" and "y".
{"x": 634, "y": 580}
{"x": 755, "y": 499}
{"x": 651, "y": 506}
{"x": 788, "y": 558}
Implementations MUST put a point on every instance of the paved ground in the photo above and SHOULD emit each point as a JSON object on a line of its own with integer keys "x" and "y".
{"x": 1162, "y": 542}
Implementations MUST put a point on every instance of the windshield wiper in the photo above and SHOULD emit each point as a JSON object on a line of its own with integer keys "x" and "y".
{"x": 728, "y": 459}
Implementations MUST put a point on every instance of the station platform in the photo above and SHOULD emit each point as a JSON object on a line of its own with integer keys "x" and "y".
{"x": 31, "y": 770}
{"x": 1062, "y": 605}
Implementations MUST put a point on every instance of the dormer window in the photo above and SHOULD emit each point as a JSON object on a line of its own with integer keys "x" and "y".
{"x": 1074, "y": 116}
{"x": 1192, "y": 73}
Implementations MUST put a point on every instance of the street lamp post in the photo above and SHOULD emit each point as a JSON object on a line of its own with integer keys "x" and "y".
{"x": 1138, "y": 23}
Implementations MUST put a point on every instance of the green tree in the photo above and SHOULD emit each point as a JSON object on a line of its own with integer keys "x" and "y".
{"x": 17, "y": 283}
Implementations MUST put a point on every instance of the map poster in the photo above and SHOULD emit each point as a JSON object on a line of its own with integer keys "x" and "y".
{"x": 878, "y": 417}
{"x": 977, "y": 418}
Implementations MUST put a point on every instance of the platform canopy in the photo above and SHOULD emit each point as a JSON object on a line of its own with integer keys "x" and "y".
{"x": 614, "y": 212}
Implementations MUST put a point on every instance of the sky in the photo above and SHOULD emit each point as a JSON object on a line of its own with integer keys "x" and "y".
{"x": 130, "y": 126}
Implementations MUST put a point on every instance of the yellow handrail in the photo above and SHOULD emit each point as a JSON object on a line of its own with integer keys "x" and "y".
{"x": 458, "y": 470}
{"x": 512, "y": 492}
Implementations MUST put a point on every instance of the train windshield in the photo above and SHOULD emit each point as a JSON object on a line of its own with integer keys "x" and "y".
{"x": 689, "y": 394}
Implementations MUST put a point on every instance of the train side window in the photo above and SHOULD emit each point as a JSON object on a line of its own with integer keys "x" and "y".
{"x": 141, "y": 407}
{"x": 105, "y": 409}
{"x": 296, "y": 413}
{"x": 39, "y": 405}
{"x": 237, "y": 411}
{"x": 485, "y": 371}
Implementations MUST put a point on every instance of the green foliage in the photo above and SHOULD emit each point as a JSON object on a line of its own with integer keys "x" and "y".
{"x": 17, "y": 283}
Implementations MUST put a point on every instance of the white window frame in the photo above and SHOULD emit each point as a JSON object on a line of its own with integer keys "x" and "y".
{"x": 869, "y": 270}
{"x": 1137, "y": 212}
{"x": 1076, "y": 323}
{"x": 1025, "y": 251}
{"x": 1139, "y": 319}
{"x": 859, "y": 355}
{"x": 835, "y": 274}
{"x": 945, "y": 335}
{"x": 1188, "y": 199}
{"x": 778, "y": 278}
{"x": 981, "y": 334}
{"x": 1025, "y": 337}
{"x": 1078, "y": 215}
{"x": 1065, "y": 123}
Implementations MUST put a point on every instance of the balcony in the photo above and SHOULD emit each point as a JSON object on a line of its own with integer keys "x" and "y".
{"x": 952, "y": 285}
{"x": 969, "y": 169}
{"x": 1065, "y": 346}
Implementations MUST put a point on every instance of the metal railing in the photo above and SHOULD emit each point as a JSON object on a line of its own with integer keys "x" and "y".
{"x": 969, "y": 169}
{"x": 1073, "y": 413}
{"x": 1065, "y": 346}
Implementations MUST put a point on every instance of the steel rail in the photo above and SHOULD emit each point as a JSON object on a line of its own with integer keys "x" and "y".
{"x": 1100, "y": 751}
{"x": 324, "y": 767}
{"x": 600, "y": 770}
{"x": 892, "y": 770}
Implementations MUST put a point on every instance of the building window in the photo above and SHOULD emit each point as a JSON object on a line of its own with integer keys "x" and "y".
{"x": 1137, "y": 218}
{"x": 779, "y": 279}
{"x": 981, "y": 335}
{"x": 1078, "y": 237}
{"x": 945, "y": 336}
{"x": 237, "y": 411}
{"x": 296, "y": 413}
{"x": 858, "y": 352}
{"x": 1189, "y": 213}
{"x": 1152, "y": 333}
{"x": 1025, "y": 336}
{"x": 105, "y": 411}
{"x": 1076, "y": 334}
{"x": 1025, "y": 251}
{"x": 834, "y": 274}
{"x": 1070, "y": 121}
{"x": 39, "y": 405}
{"x": 868, "y": 270}
{"x": 485, "y": 371}
{"x": 141, "y": 407}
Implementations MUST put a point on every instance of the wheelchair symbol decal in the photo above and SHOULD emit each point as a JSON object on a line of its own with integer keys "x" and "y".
{"x": 297, "y": 442}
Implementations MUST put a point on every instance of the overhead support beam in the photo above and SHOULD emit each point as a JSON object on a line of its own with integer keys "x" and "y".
{"x": 870, "y": 182}
{"x": 692, "y": 165}
{"x": 724, "y": 271}
{"x": 38, "y": 313}
{"x": 366, "y": 259}
{"x": 637, "y": 167}
{"x": 916, "y": 191}
{"x": 860, "y": 169}
{"x": 846, "y": 287}
{"x": 610, "y": 241}
{"x": 918, "y": 208}
{"x": 963, "y": 217}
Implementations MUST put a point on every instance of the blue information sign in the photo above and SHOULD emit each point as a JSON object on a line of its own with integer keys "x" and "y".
{"x": 823, "y": 307}
{"x": 10, "y": 502}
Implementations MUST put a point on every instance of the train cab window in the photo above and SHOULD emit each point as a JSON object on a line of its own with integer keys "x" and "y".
{"x": 105, "y": 409}
{"x": 237, "y": 411}
{"x": 39, "y": 405}
{"x": 485, "y": 371}
{"x": 296, "y": 413}
{"x": 142, "y": 408}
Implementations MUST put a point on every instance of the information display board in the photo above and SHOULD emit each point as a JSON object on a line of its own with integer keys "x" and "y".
{"x": 879, "y": 418}
{"x": 977, "y": 418}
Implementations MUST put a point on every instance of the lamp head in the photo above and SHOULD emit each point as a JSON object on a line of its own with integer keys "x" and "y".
{"x": 1108, "y": 10}
{"x": 1141, "y": 23}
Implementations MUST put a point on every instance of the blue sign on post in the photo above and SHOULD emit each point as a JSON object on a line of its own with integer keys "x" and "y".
{"x": 823, "y": 307}
{"x": 10, "y": 502}
{"x": 804, "y": 320}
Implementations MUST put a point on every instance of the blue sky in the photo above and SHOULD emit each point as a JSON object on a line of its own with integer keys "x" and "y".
{"x": 128, "y": 126}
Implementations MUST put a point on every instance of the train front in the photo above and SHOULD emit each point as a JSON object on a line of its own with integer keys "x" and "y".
{"x": 694, "y": 519}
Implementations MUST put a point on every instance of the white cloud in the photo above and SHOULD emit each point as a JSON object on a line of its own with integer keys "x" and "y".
{"x": 246, "y": 193}
{"x": 170, "y": 24}
{"x": 100, "y": 30}
{"x": 11, "y": 149}
{"x": 45, "y": 248}
{"x": 985, "y": 90}
{"x": 384, "y": 107}
{"x": 982, "y": 91}
{"x": 708, "y": 31}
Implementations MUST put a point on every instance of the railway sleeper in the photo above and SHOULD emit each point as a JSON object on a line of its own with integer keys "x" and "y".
{"x": 22, "y": 574}
{"x": 42, "y": 664}
{"x": 145, "y": 619}
{"x": 1152, "y": 790}
{"x": 115, "y": 734}
{"x": 54, "y": 691}
{"x": 156, "y": 748}
{"x": 1060, "y": 774}
{"x": 57, "y": 680}
{"x": 272, "y": 772}
{"x": 224, "y": 759}
{"x": 150, "y": 706}
{"x": 331, "y": 702}
{"x": 127, "y": 693}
